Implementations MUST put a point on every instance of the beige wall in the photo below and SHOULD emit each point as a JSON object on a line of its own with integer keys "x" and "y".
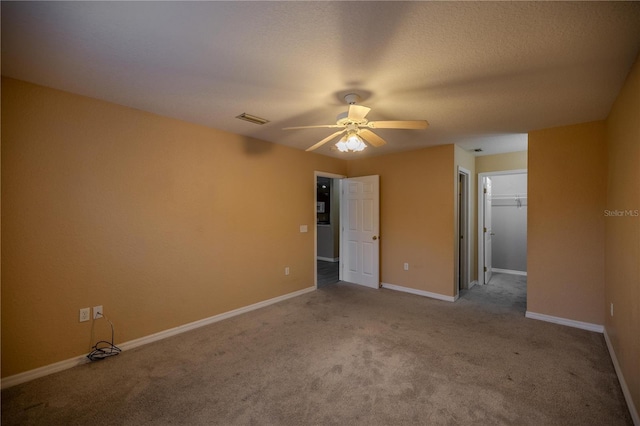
{"x": 565, "y": 231}
{"x": 160, "y": 221}
{"x": 622, "y": 247}
{"x": 501, "y": 162}
{"x": 416, "y": 217}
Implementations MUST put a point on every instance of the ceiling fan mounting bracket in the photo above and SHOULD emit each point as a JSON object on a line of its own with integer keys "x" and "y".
{"x": 352, "y": 98}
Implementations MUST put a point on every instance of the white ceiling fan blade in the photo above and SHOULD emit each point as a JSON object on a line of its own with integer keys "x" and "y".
{"x": 371, "y": 137}
{"x": 358, "y": 112}
{"x": 411, "y": 124}
{"x": 325, "y": 140}
{"x": 313, "y": 127}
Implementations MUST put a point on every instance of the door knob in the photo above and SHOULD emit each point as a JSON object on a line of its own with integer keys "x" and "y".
{"x": 375, "y": 238}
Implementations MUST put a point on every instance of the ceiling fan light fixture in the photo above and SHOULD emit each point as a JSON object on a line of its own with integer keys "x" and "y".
{"x": 353, "y": 143}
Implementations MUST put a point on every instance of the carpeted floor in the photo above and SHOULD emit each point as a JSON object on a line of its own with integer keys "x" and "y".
{"x": 346, "y": 355}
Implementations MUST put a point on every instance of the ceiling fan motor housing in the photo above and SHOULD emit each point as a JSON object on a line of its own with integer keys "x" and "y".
{"x": 343, "y": 120}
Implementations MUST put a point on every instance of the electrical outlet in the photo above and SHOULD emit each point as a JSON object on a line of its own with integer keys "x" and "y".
{"x": 98, "y": 312}
{"x": 406, "y": 266}
{"x": 286, "y": 270}
{"x": 85, "y": 314}
{"x": 611, "y": 308}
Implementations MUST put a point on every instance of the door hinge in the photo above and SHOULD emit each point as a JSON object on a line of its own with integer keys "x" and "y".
{"x": 485, "y": 269}
{"x": 484, "y": 190}
{"x": 485, "y": 229}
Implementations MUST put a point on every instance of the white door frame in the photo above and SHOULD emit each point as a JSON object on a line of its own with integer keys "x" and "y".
{"x": 316, "y": 175}
{"x": 466, "y": 232}
{"x": 480, "y": 239}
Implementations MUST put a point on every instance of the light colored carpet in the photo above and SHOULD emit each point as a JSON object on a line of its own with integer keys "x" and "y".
{"x": 346, "y": 355}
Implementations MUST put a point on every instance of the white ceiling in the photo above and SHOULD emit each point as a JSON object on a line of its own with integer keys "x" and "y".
{"x": 482, "y": 73}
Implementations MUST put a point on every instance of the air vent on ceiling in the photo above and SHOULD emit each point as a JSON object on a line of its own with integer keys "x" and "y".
{"x": 477, "y": 150}
{"x": 252, "y": 118}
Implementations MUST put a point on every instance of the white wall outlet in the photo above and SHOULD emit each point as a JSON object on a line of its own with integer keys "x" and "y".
{"x": 85, "y": 314}
{"x": 98, "y": 312}
{"x": 611, "y": 308}
{"x": 303, "y": 228}
{"x": 286, "y": 270}
{"x": 406, "y": 266}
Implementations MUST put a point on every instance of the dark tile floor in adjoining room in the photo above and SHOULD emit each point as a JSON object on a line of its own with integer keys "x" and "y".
{"x": 328, "y": 273}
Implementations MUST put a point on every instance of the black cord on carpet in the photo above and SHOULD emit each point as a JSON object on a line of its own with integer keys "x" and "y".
{"x": 104, "y": 349}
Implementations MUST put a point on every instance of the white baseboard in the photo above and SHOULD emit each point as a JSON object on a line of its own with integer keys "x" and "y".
{"x": 36, "y": 373}
{"x": 509, "y": 271}
{"x": 623, "y": 383}
{"x": 563, "y": 321}
{"x": 472, "y": 283}
{"x": 328, "y": 259}
{"x": 79, "y": 360}
{"x": 420, "y": 292}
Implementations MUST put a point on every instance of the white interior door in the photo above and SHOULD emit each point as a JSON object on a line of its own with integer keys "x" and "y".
{"x": 487, "y": 229}
{"x": 360, "y": 251}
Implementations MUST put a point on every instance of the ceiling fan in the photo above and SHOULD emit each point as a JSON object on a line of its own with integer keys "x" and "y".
{"x": 356, "y": 127}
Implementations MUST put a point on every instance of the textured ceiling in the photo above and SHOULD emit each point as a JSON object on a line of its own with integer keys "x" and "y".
{"x": 482, "y": 73}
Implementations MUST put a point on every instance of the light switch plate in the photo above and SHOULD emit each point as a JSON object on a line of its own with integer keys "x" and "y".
{"x": 303, "y": 228}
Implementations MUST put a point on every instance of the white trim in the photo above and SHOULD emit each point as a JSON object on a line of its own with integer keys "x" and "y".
{"x": 420, "y": 292}
{"x": 197, "y": 324}
{"x": 36, "y": 373}
{"x": 328, "y": 259}
{"x": 505, "y": 172}
{"x": 474, "y": 282}
{"x": 79, "y": 360}
{"x": 623, "y": 383}
{"x": 563, "y": 321}
{"x": 509, "y": 271}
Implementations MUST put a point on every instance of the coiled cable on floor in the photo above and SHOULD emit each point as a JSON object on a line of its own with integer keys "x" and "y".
{"x": 104, "y": 349}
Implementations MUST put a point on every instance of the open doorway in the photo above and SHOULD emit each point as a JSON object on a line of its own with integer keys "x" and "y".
{"x": 463, "y": 266}
{"x": 327, "y": 232}
{"x": 502, "y": 224}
